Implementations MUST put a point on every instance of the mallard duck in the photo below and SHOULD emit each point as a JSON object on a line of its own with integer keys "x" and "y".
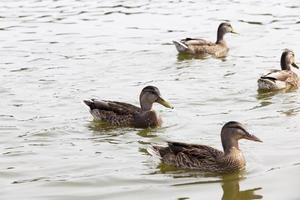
{"x": 197, "y": 46}
{"x": 124, "y": 114}
{"x": 206, "y": 158}
{"x": 281, "y": 79}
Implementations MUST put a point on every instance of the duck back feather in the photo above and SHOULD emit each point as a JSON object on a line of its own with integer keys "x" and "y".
{"x": 277, "y": 80}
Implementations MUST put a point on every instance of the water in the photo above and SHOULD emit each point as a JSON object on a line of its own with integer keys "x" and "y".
{"x": 54, "y": 54}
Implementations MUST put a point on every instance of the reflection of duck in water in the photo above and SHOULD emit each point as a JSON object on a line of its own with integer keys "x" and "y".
{"x": 231, "y": 189}
{"x": 196, "y": 46}
{"x": 205, "y": 158}
{"x": 281, "y": 79}
{"x": 124, "y": 114}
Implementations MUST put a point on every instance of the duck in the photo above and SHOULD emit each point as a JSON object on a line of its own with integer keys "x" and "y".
{"x": 196, "y": 46}
{"x": 123, "y": 114}
{"x": 281, "y": 79}
{"x": 205, "y": 158}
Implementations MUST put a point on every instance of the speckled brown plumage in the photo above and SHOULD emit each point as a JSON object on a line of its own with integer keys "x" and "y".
{"x": 198, "y": 46}
{"x": 124, "y": 114}
{"x": 205, "y": 158}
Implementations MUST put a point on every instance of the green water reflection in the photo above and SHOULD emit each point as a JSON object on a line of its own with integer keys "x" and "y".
{"x": 231, "y": 189}
{"x": 184, "y": 56}
{"x": 266, "y": 95}
{"x": 230, "y": 183}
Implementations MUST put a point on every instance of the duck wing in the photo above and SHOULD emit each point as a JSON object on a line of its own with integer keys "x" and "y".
{"x": 203, "y": 47}
{"x": 192, "y": 156}
{"x": 194, "y": 46}
{"x": 119, "y": 108}
{"x": 113, "y": 112}
{"x": 197, "y": 42}
{"x": 287, "y": 76}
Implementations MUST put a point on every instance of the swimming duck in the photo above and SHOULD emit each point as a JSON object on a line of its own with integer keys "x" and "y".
{"x": 281, "y": 79}
{"x": 197, "y": 46}
{"x": 206, "y": 158}
{"x": 124, "y": 114}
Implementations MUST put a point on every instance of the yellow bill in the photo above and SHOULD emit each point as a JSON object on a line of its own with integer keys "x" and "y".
{"x": 163, "y": 102}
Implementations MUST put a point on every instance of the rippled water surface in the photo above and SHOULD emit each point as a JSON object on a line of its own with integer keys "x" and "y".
{"x": 54, "y": 54}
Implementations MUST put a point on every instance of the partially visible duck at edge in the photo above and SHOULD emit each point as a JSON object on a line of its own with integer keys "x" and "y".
{"x": 202, "y": 47}
{"x": 205, "y": 158}
{"x": 124, "y": 114}
{"x": 281, "y": 79}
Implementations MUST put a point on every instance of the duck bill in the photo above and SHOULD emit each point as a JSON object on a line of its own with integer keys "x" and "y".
{"x": 295, "y": 65}
{"x": 234, "y": 32}
{"x": 164, "y": 103}
{"x": 253, "y": 138}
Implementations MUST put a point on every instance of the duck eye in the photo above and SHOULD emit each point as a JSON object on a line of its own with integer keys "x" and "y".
{"x": 239, "y": 127}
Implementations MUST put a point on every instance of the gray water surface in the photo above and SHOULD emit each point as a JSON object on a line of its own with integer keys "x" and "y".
{"x": 54, "y": 54}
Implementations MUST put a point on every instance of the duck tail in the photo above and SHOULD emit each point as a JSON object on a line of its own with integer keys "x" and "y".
{"x": 266, "y": 83}
{"x": 181, "y": 47}
{"x": 154, "y": 151}
{"x": 89, "y": 103}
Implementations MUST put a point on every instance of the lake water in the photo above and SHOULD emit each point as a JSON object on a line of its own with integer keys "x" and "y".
{"x": 54, "y": 54}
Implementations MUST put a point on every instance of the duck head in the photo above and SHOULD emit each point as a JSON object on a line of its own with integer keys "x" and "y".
{"x": 287, "y": 60}
{"x": 150, "y": 95}
{"x": 223, "y": 29}
{"x": 232, "y": 132}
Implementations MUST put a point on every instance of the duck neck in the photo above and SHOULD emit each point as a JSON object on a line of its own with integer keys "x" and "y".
{"x": 145, "y": 105}
{"x": 229, "y": 144}
{"x": 220, "y": 37}
{"x": 284, "y": 64}
{"x": 235, "y": 158}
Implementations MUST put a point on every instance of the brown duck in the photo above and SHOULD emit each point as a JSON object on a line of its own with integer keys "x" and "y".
{"x": 281, "y": 79}
{"x": 198, "y": 46}
{"x": 205, "y": 158}
{"x": 124, "y": 114}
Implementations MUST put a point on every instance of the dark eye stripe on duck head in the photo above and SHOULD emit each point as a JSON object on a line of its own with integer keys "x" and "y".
{"x": 149, "y": 95}
{"x": 222, "y": 30}
{"x": 287, "y": 59}
{"x": 246, "y": 135}
{"x": 236, "y": 125}
{"x": 232, "y": 132}
{"x": 223, "y": 24}
{"x": 151, "y": 89}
